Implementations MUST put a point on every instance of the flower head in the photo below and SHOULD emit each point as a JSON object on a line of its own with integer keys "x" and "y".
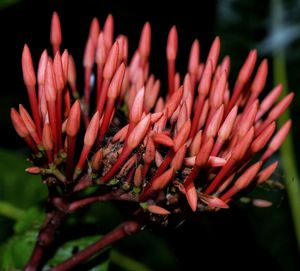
{"x": 205, "y": 141}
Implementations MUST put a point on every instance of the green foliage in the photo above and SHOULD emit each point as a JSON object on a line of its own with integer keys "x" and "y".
{"x": 7, "y": 3}
{"x": 18, "y": 187}
{"x": 16, "y": 251}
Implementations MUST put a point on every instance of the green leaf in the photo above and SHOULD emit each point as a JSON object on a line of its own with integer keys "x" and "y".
{"x": 71, "y": 247}
{"x": 31, "y": 220}
{"x": 15, "y": 253}
{"x": 10, "y": 211}
{"x": 18, "y": 187}
{"x": 19, "y": 190}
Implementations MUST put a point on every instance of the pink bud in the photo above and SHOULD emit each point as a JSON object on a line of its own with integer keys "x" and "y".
{"x": 213, "y": 202}
{"x": 280, "y": 136}
{"x": 157, "y": 210}
{"x": 281, "y": 107}
{"x": 158, "y": 159}
{"x": 191, "y": 196}
{"x": 151, "y": 96}
{"x": 194, "y": 57}
{"x": 226, "y": 128}
{"x": 214, "y": 161}
{"x": 111, "y": 62}
{"x": 261, "y": 203}
{"x": 259, "y": 80}
{"x": 217, "y": 95}
{"x": 33, "y": 170}
{"x": 139, "y": 132}
{"x": 247, "y": 119}
{"x": 205, "y": 82}
{"x": 73, "y": 122}
{"x": 214, "y": 51}
{"x": 94, "y": 31}
{"x": 225, "y": 65}
{"x": 196, "y": 143}
{"x": 65, "y": 64}
{"x": 174, "y": 101}
{"x": 178, "y": 158}
{"x": 137, "y": 179}
{"x": 55, "y": 34}
{"x": 200, "y": 71}
{"x": 50, "y": 85}
{"x": 172, "y": 44}
{"x": 187, "y": 86}
{"x": 101, "y": 51}
{"x": 92, "y": 130}
{"x": 27, "y": 119}
{"x": 47, "y": 138}
{"x": 204, "y": 113}
{"x": 116, "y": 83}
{"x": 136, "y": 110}
{"x": 97, "y": 160}
{"x": 244, "y": 180}
{"x": 268, "y": 101}
{"x": 266, "y": 173}
{"x": 159, "y": 105}
{"x": 27, "y": 67}
{"x": 108, "y": 30}
{"x": 42, "y": 67}
{"x": 243, "y": 145}
{"x": 182, "y": 116}
{"x": 125, "y": 48}
{"x": 161, "y": 182}
{"x": 29, "y": 124}
{"x": 262, "y": 139}
{"x": 215, "y": 123}
{"x": 89, "y": 54}
{"x": 182, "y": 135}
{"x": 72, "y": 71}
{"x": 204, "y": 153}
{"x": 18, "y": 123}
{"x": 247, "y": 68}
{"x": 145, "y": 40}
{"x": 121, "y": 134}
{"x": 58, "y": 72}
{"x": 162, "y": 139}
{"x": 177, "y": 81}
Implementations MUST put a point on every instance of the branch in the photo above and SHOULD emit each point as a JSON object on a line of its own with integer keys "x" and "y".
{"x": 45, "y": 238}
{"x": 113, "y": 195}
{"x": 123, "y": 230}
{"x": 84, "y": 182}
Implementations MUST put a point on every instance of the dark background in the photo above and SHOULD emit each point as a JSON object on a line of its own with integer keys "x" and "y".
{"x": 243, "y": 238}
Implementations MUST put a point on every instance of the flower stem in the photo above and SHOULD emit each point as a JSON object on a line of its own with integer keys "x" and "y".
{"x": 125, "y": 229}
{"x": 45, "y": 238}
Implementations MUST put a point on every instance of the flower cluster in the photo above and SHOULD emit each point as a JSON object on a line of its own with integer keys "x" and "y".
{"x": 200, "y": 145}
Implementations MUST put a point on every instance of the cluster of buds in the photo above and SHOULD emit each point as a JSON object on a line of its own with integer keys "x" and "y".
{"x": 200, "y": 144}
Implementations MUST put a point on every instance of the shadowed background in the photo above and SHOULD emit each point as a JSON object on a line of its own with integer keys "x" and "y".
{"x": 243, "y": 237}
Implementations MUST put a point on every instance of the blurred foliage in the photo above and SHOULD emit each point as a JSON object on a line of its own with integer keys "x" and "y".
{"x": 16, "y": 251}
{"x": 7, "y": 3}
{"x": 18, "y": 188}
{"x": 250, "y": 24}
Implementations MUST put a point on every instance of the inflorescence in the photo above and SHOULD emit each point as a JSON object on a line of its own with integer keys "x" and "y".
{"x": 199, "y": 145}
